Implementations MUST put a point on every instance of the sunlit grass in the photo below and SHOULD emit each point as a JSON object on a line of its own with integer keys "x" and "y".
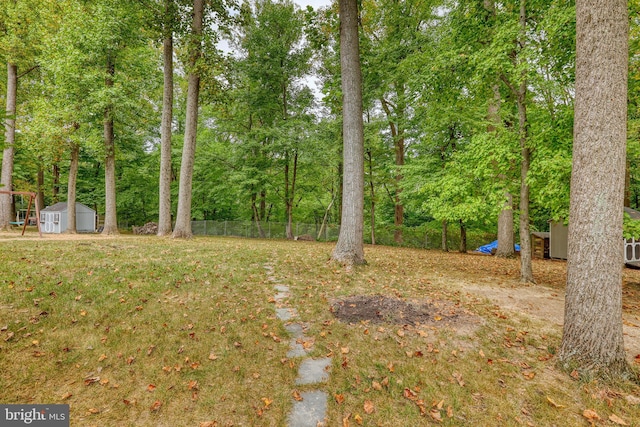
{"x": 148, "y": 331}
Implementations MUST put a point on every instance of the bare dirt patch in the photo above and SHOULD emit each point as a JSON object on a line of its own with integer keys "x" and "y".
{"x": 381, "y": 309}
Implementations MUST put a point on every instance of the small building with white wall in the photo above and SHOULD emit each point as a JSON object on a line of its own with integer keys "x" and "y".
{"x": 54, "y": 218}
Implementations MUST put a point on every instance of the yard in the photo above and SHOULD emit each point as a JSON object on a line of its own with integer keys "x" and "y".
{"x": 138, "y": 331}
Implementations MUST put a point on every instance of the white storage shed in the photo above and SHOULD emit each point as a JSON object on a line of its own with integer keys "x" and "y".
{"x": 53, "y": 219}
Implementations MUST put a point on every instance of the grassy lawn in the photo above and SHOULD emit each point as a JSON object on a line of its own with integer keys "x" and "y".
{"x": 143, "y": 331}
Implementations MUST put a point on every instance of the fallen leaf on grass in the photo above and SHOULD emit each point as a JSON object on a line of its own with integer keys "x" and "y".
{"x": 94, "y": 411}
{"x": 554, "y": 404}
{"x": 212, "y": 356}
{"x": 376, "y": 385}
{"x": 435, "y": 415}
{"x": 369, "y": 408}
{"x": 91, "y": 380}
{"x": 193, "y": 385}
{"x": 209, "y": 424}
{"x": 296, "y": 396}
{"x": 156, "y": 405}
{"x": 358, "y": 418}
{"x": 266, "y": 401}
{"x": 66, "y": 396}
{"x": 617, "y": 420}
{"x": 591, "y": 415}
{"x": 339, "y": 399}
{"x": 345, "y": 420}
{"x": 151, "y": 387}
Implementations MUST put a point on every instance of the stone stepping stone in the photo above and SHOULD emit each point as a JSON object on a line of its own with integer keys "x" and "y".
{"x": 286, "y": 314}
{"x": 296, "y": 330}
{"x": 311, "y": 411}
{"x": 280, "y": 296}
{"x": 313, "y": 371}
{"x": 281, "y": 288}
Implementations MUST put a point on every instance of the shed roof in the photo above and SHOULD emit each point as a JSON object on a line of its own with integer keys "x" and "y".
{"x": 62, "y": 206}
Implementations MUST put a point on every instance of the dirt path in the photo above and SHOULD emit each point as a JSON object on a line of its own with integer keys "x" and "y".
{"x": 547, "y": 304}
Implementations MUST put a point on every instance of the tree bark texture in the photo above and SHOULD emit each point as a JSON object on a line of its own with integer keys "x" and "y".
{"x": 592, "y": 337}
{"x": 110, "y": 213}
{"x": 506, "y": 244}
{"x": 164, "y": 203}
{"x": 526, "y": 269}
{"x": 397, "y": 133}
{"x": 444, "y": 245}
{"x": 6, "y": 175}
{"x": 372, "y": 194}
{"x": 350, "y": 246}
{"x": 40, "y": 184}
{"x": 463, "y": 237}
{"x": 183, "y": 216}
{"x": 71, "y": 191}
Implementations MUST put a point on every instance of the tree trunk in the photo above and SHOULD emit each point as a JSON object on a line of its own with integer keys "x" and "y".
{"x": 372, "y": 194}
{"x": 350, "y": 246}
{"x": 110, "y": 214}
{"x": 526, "y": 270}
{"x": 55, "y": 188}
{"x": 40, "y": 184}
{"x": 164, "y": 203}
{"x": 6, "y": 175}
{"x": 463, "y": 237}
{"x": 71, "y": 191}
{"x": 183, "y": 216}
{"x": 592, "y": 337}
{"x": 397, "y": 133}
{"x": 444, "y": 245}
{"x": 506, "y": 247}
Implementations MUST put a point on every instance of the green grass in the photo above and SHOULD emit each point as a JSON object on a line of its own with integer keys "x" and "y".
{"x": 146, "y": 331}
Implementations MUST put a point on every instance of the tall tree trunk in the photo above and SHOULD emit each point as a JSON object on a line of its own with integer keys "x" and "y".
{"x": 526, "y": 270}
{"x": 506, "y": 247}
{"x": 350, "y": 246}
{"x": 372, "y": 194}
{"x": 110, "y": 214}
{"x": 55, "y": 187}
{"x": 444, "y": 245}
{"x": 463, "y": 237}
{"x": 397, "y": 133}
{"x": 71, "y": 191}
{"x": 183, "y": 216}
{"x": 592, "y": 337}
{"x": 6, "y": 175}
{"x": 256, "y": 215}
{"x": 506, "y": 243}
{"x": 164, "y": 203}
{"x": 40, "y": 184}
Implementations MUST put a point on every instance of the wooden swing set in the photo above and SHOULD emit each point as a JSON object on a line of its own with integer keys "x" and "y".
{"x": 32, "y": 197}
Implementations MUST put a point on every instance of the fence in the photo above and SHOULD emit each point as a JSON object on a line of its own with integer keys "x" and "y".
{"x": 416, "y": 237}
{"x": 270, "y": 230}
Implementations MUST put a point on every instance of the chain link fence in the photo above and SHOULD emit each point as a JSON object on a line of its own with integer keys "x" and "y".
{"x": 415, "y": 237}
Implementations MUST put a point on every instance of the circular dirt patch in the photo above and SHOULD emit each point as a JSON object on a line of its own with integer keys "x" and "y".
{"x": 381, "y": 309}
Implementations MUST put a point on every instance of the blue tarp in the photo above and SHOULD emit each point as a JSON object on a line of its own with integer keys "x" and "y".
{"x": 486, "y": 249}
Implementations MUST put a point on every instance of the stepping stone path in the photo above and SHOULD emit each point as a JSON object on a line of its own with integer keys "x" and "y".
{"x": 311, "y": 410}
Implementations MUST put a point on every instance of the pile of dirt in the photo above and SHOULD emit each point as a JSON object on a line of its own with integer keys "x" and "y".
{"x": 148, "y": 228}
{"x": 381, "y": 309}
